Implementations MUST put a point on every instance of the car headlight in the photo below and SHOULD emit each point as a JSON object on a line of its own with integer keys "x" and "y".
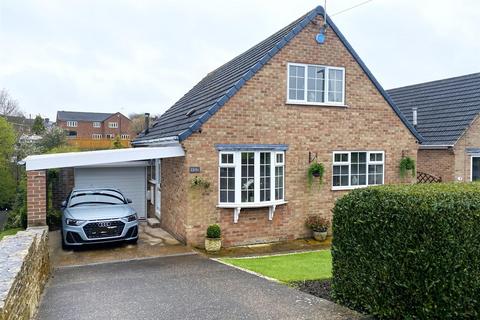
{"x": 132, "y": 217}
{"x": 74, "y": 222}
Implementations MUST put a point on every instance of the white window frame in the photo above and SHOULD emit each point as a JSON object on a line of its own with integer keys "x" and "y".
{"x": 96, "y": 124}
{"x": 305, "y": 100}
{"x": 72, "y": 124}
{"x": 349, "y": 162}
{"x": 96, "y": 136}
{"x": 113, "y": 125}
{"x": 471, "y": 165}
{"x": 124, "y": 136}
{"x": 237, "y": 162}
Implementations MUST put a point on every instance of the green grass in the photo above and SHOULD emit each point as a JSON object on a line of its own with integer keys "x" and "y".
{"x": 293, "y": 267}
{"x": 9, "y": 232}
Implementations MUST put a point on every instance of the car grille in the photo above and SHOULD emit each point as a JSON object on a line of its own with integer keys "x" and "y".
{"x": 104, "y": 229}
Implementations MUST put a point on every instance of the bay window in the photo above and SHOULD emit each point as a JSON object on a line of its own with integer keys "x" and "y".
{"x": 251, "y": 178}
{"x": 357, "y": 169}
{"x": 315, "y": 84}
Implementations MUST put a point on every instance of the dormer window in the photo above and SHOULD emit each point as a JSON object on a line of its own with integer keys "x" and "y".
{"x": 315, "y": 84}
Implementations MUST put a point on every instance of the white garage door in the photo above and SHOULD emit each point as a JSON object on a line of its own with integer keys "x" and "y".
{"x": 130, "y": 180}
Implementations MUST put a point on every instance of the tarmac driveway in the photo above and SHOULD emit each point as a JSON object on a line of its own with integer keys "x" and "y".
{"x": 182, "y": 287}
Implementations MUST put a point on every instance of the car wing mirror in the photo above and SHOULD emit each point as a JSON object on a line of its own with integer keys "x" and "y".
{"x": 129, "y": 200}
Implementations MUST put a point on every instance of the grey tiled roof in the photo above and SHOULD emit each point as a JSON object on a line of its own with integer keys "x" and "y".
{"x": 195, "y": 108}
{"x": 82, "y": 116}
{"x": 445, "y": 108}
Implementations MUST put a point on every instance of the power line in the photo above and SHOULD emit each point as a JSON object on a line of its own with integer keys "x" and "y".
{"x": 353, "y": 7}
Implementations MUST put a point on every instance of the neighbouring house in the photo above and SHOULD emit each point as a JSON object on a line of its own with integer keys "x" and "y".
{"x": 22, "y": 124}
{"x": 236, "y": 148}
{"x": 445, "y": 112}
{"x": 95, "y": 125}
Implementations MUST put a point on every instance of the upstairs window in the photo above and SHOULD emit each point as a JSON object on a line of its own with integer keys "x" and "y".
{"x": 96, "y": 124}
{"x": 315, "y": 84}
{"x": 113, "y": 125}
{"x": 251, "y": 177}
{"x": 357, "y": 169}
{"x": 72, "y": 124}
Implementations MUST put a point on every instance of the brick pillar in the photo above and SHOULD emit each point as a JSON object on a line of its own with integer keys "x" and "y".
{"x": 36, "y": 198}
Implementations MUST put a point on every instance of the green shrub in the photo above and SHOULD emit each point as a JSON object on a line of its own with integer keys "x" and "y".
{"x": 213, "y": 231}
{"x": 412, "y": 251}
{"x": 54, "y": 219}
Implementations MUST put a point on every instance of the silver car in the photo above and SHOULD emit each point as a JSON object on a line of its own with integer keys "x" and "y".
{"x": 97, "y": 215}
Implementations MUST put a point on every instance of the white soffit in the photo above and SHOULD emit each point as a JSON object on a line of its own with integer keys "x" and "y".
{"x": 100, "y": 157}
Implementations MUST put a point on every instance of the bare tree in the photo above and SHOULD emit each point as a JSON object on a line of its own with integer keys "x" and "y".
{"x": 8, "y": 105}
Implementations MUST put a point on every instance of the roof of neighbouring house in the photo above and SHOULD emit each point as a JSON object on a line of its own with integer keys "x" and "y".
{"x": 445, "y": 108}
{"x": 82, "y": 116}
{"x": 200, "y": 103}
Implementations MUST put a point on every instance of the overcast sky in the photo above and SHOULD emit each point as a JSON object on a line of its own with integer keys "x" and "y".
{"x": 142, "y": 56}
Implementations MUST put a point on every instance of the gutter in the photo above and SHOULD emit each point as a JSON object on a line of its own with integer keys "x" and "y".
{"x": 435, "y": 146}
{"x": 157, "y": 141}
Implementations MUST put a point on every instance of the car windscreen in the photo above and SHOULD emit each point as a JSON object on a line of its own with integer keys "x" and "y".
{"x": 95, "y": 197}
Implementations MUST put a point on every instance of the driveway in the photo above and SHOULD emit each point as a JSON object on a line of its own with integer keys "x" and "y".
{"x": 182, "y": 287}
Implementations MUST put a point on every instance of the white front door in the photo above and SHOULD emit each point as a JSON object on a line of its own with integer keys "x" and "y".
{"x": 158, "y": 190}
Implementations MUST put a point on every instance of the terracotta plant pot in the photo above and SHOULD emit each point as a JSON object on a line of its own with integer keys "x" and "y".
{"x": 320, "y": 236}
{"x": 213, "y": 245}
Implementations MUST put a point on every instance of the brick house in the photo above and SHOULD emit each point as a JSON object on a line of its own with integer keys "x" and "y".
{"x": 447, "y": 118}
{"x": 94, "y": 125}
{"x": 250, "y": 129}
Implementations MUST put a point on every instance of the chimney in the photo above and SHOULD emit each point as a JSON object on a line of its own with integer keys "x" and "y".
{"x": 147, "y": 122}
{"x": 414, "y": 117}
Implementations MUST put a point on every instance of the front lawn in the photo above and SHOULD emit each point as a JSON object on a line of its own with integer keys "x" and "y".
{"x": 9, "y": 232}
{"x": 291, "y": 267}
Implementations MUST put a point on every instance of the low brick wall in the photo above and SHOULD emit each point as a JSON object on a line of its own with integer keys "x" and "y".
{"x": 24, "y": 270}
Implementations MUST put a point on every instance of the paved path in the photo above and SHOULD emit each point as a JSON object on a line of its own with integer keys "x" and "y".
{"x": 183, "y": 287}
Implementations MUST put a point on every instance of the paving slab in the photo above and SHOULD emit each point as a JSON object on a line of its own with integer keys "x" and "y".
{"x": 152, "y": 242}
{"x": 186, "y": 287}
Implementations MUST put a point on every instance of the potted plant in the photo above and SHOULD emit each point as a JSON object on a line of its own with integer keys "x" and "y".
{"x": 407, "y": 164}
{"x": 319, "y": 227}
{"x": 315, "y": 170}
{"x": 213, "y": 241}
{"x": 199, "y": 183}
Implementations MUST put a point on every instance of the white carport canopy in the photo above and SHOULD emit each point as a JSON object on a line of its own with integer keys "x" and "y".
{"x": 100, "y": 157}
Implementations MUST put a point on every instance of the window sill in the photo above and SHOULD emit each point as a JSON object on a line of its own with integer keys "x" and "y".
{"x": 237, "y": 207}
{"x": 352, "y": 187}
{"x": 314, "y": 104}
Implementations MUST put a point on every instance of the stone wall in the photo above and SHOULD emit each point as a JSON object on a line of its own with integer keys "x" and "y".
{"x": 24, "y": 270}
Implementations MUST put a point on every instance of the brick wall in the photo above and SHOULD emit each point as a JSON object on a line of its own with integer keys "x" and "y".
{"x": 471, "y": 139}
{"x": 27, "y": 269}
{"x": 258, "y": 114}
{"x": 174, "y": 197}
{"x": 62, "y": 184}
{"x": 36, "y": 198}
{"x": 439, "y": 163}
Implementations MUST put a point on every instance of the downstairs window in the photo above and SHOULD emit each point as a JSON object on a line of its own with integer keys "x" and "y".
{"x": 357, "y": 169}
{"x": 251, "y": 177}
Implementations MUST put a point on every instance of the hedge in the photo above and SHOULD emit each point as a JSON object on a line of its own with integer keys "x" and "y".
{"x": 409, "y": 252}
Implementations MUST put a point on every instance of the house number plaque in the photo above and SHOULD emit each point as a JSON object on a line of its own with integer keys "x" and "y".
{"x": 194, "y": 169}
